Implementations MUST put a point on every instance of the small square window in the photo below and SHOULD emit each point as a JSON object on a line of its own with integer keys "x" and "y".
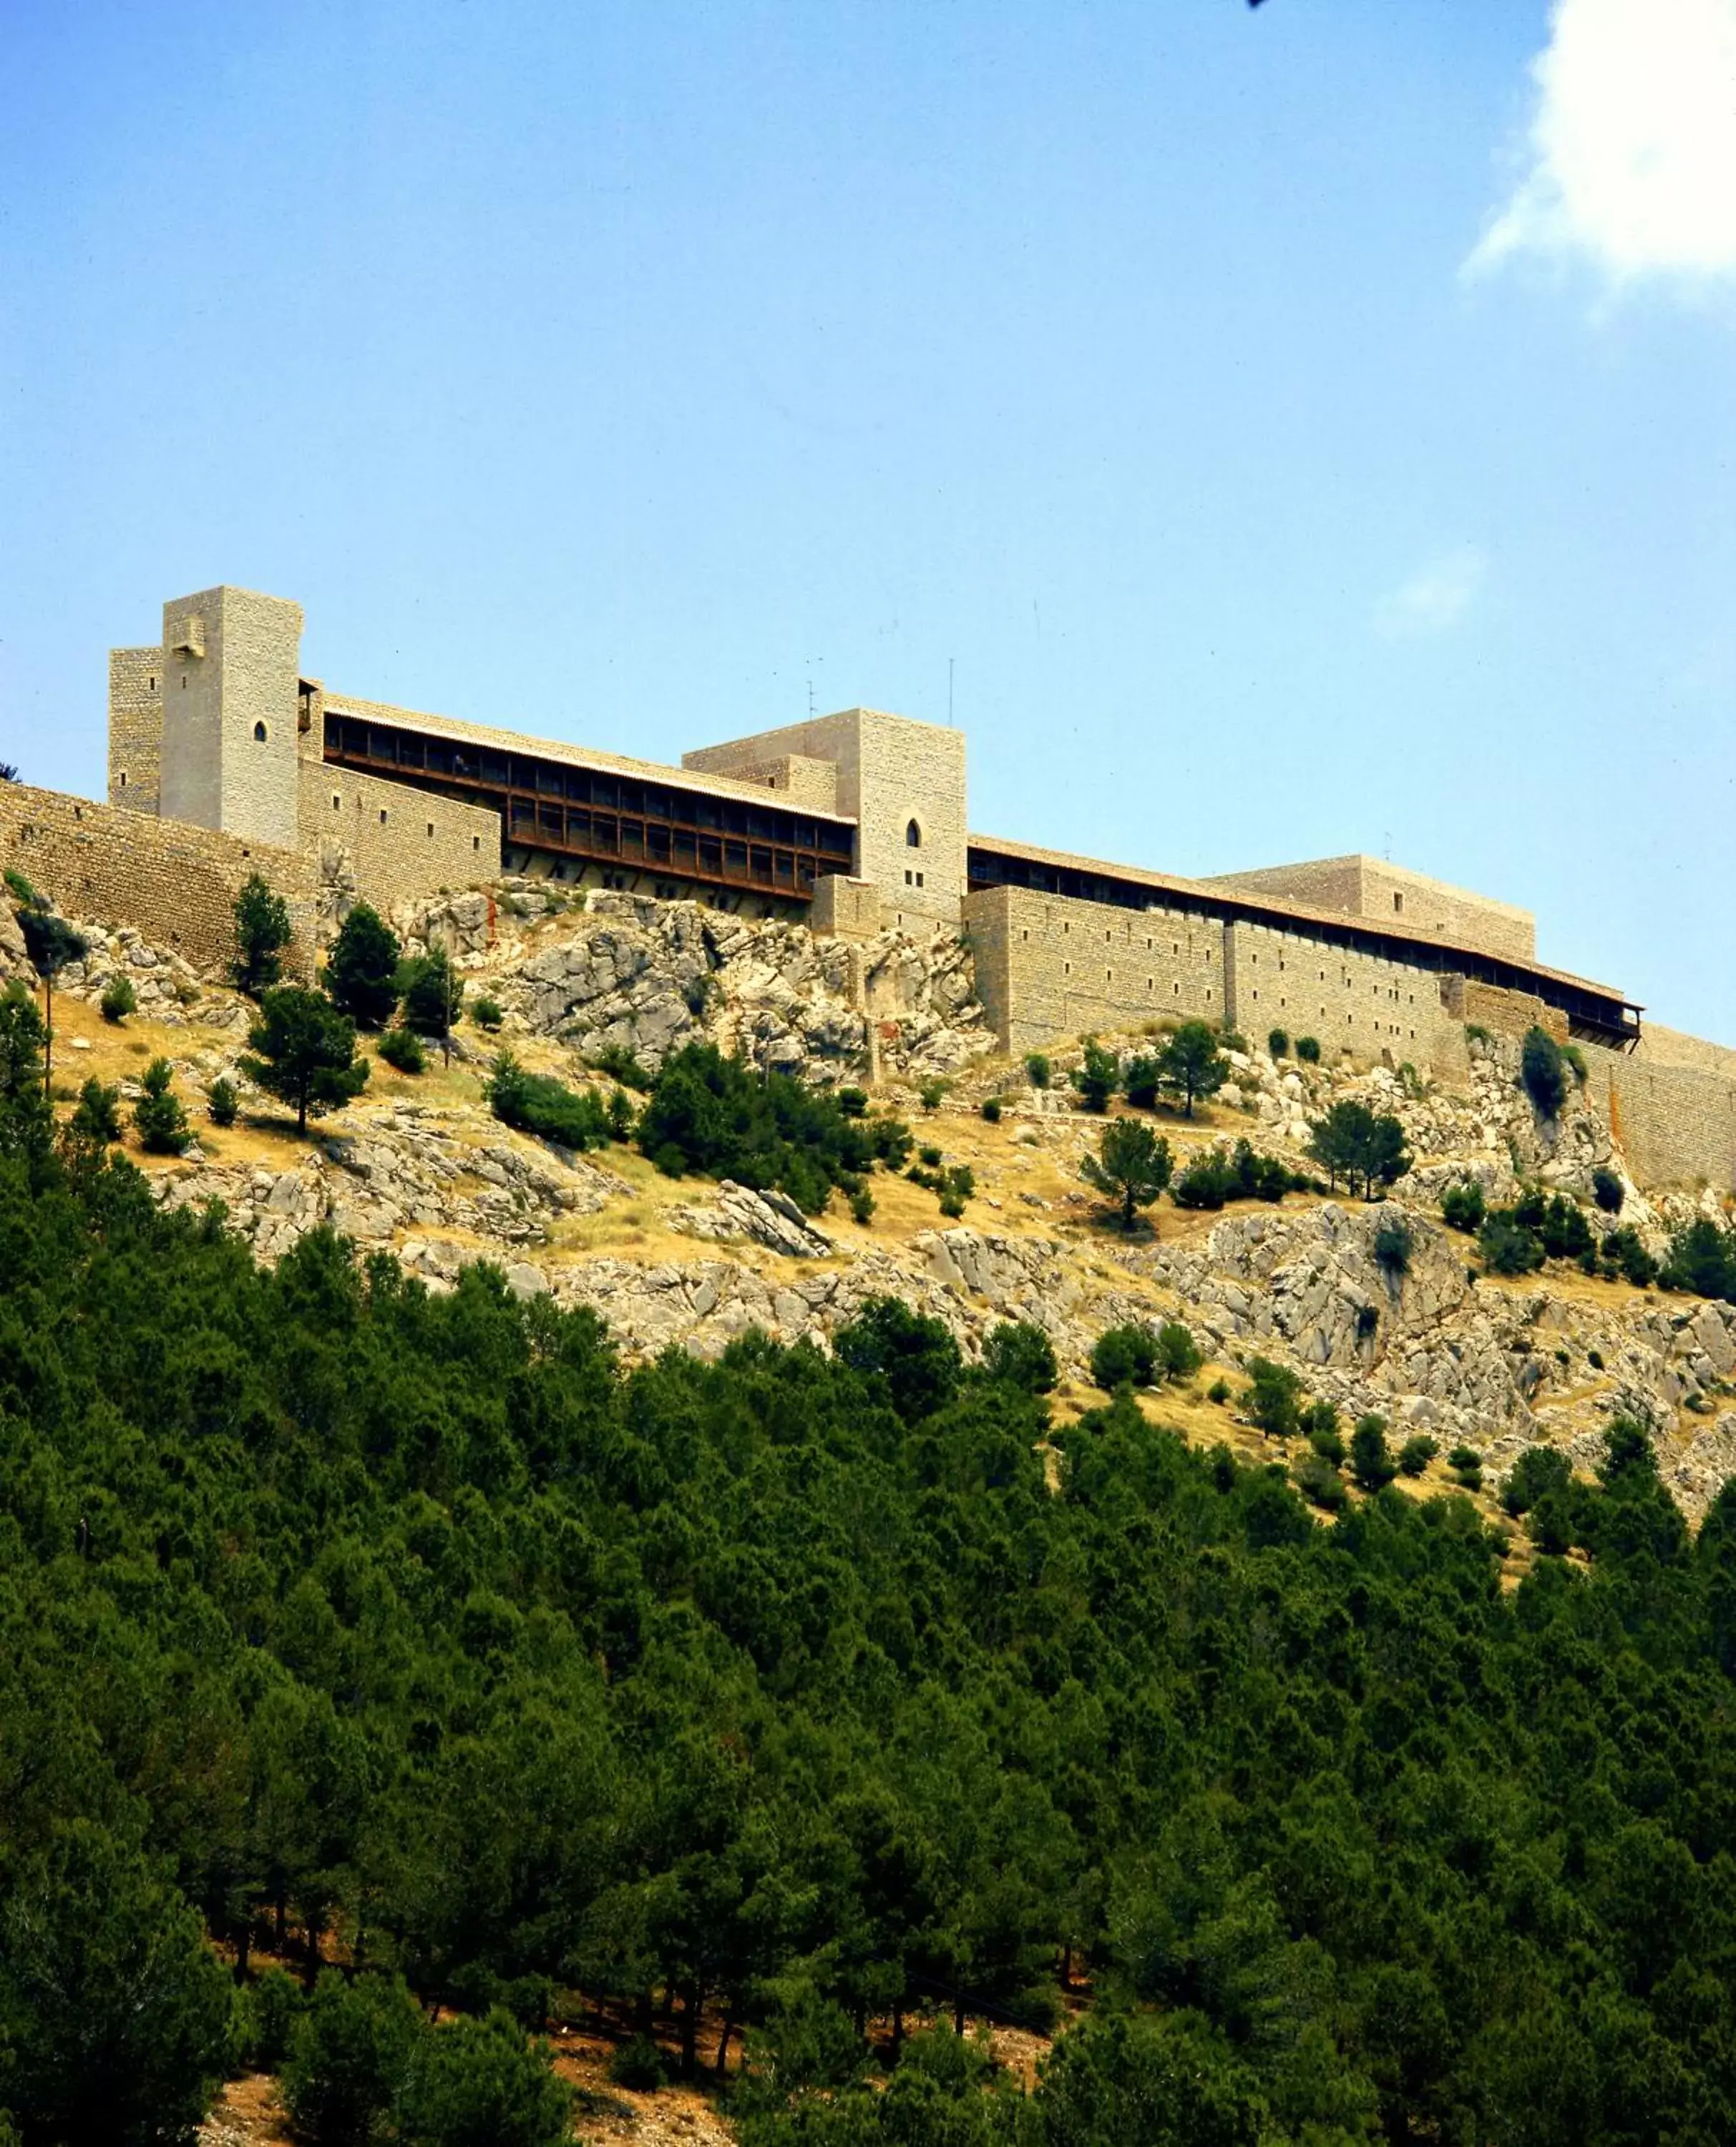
{"x": 337, "y": 802}
{"x": 382, "y": 816}
{"x": 430, "y": 826}
{"x": 476, "y": 842}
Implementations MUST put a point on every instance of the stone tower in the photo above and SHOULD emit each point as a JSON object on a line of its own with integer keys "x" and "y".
{"x": 231, "y": 664}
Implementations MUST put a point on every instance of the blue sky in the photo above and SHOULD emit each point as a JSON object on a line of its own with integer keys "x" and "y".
{"x": 1302, "y": 430}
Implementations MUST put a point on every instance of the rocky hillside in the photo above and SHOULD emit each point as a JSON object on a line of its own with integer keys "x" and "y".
{"x": 419, "y": 1166}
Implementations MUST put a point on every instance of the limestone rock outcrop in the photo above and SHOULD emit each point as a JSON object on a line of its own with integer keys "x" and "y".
{"x": 619, "y": 972}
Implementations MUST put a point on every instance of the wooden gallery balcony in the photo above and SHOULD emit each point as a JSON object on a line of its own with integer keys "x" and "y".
{"x": 623, "y": 818}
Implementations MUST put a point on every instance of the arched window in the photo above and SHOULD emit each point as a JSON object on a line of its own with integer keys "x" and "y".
{"x": 913, "y": 836}
{"x": 259, "y": 734}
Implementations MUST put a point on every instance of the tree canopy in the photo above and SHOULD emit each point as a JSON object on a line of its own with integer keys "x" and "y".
{"x": 420, "y": 1635}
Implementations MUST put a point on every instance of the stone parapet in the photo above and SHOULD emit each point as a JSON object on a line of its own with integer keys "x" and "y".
{"x": 174, "y": 882}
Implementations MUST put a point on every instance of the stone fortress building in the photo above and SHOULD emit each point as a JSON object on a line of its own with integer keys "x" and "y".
{"x": 225, "y": 758}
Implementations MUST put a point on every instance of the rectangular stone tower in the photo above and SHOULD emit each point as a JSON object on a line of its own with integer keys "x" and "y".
{"x": 230, "y": 661}
{"x": 902, "y": 781}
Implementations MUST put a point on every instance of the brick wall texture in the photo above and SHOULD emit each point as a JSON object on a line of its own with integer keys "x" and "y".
{"x": 174, "y": 882}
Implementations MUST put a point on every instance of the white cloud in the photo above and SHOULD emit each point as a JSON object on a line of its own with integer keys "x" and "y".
{"x": 1435, "y": 598}
{"x": 1631, "y": 151}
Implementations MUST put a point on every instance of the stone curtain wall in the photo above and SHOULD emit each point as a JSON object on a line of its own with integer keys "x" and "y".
{"x": 1504, "y": 1013}
{"x": 1371, "y": 1009}
{"x": 1365, "y": 887}
{"x": 391, "y": 843}
{"x": 1669, "y": 1047}
{"x": 175, "y": 884}
{"x": 1049, "y": 965}
{"x": 1676, "y": 1124}
{"x": 135, "y": 727}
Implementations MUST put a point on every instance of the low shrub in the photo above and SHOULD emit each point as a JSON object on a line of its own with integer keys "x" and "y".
{"x": 402, "y": 1047}
{"x": 929, "y": 1094}
{"x": 1097, "y": 1077}
{"x": 1318, "y": 1482}
{"x": 538, "y": 1104}
{"x": 118, "y": 999}
{"x": 1124, "y": 1356}
{"x": 1416, "y": 1454}
{"x": 1463, "y": 1208}
{"x": 1541, "y": 1073}
{"x": 1538, "y": 1471}
{"x": 862, "y": 1207}
{"x": 618, "y": 1063}
{"x": 1701, "y": 1258}
{"x": 162, "y": 1122}
{"x": 1371, "y": 1460}
{"x": 488, "y": 1013}
{"x": 1623, "y": 1254}
{"x": 1466, "y": 1464}
{"x": 714, "y": 1115}
{"x": 639, "y": 2064}
{"x": 854, "y": 1103}
{"x": 221, "y": 1101}
{"x": 1214, "y": 1178}
{"x": 1274, "y": 1397}
{"x": 1308, "y": 1049}
{"x": 1038, "y": 1070}
{"x": 271, "y": 2008}
{"x": 1507, "y": 1248}
{"x": 992, "y": 1109}
{"x": 1393, "y": 1246}
{"x": 1179, "y": 1351}
{"x": 1278, "y": 1043}
{"x": 1328, "y": 1443}
{"x": 1607, "y": 1190}
{"x": 1219, "y": 1391}
{"x": 1141, "y": 1080}
{"x": 1018, "y": 1353}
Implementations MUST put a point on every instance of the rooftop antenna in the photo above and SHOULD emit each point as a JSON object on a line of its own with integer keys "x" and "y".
{"x": 811, "y": 661}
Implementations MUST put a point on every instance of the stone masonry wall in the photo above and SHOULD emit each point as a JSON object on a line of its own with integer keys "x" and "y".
{"x": 229, "y": 714}
{"x": 891, "y": 771}
{"x": 1386, "y": 893}
{"x": 1352, "y": 1003}
{"x": 1675, "y": 1125}
{"x": 1503, "y": 1012}
{"x": 135, "y": 727}
{"x": 397, "y": 844}
{"x": 1668, "y": 1047}
{"x": 1049, "y": 966}
{"x": 175, "y": 884}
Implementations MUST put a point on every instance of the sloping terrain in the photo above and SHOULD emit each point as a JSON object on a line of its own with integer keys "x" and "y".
{"x": 420, "y": 1166}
